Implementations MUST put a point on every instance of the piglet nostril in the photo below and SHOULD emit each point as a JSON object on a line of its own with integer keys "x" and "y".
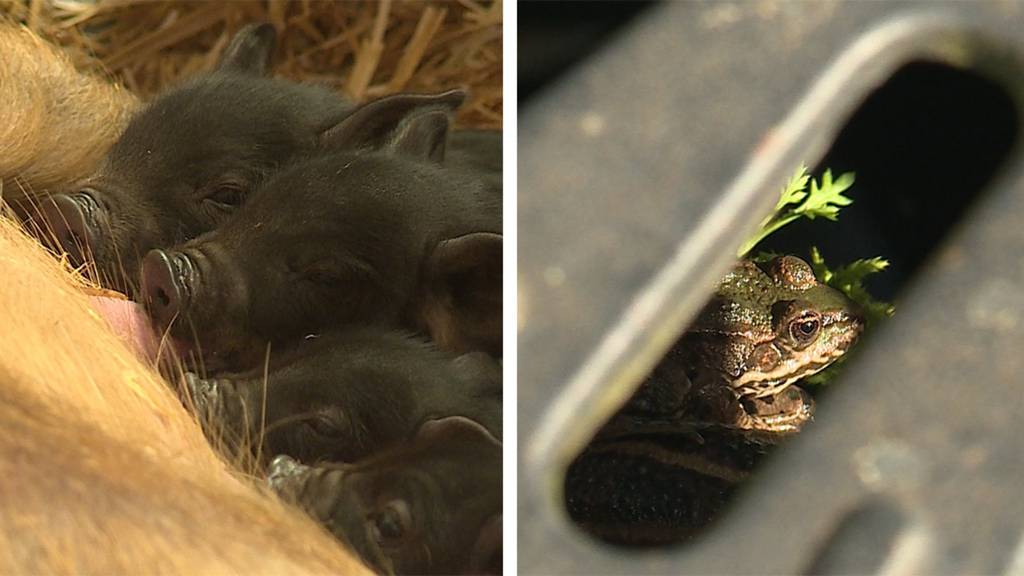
{"x": 68, "y": 219}
{"x": 162, "y": 297}
{"x": 165, "y": 284}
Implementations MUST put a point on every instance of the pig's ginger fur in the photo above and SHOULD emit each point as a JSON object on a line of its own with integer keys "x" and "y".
{"x": 55, "y": 122}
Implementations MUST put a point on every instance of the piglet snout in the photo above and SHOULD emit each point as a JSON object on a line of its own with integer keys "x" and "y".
{"x": 285, "y": 471}
{"x": 72, "y": 220}
{"x": 167, "y": 279}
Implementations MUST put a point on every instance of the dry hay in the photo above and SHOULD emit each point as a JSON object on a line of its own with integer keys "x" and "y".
{"x": 55, "y": 123}
{"x": 366, "y": 49}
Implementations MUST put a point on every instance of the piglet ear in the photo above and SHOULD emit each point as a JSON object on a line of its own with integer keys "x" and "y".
{"x": 479, "y": 367}
{"x": 462, "y": 311}
{"x": 485, "y": 556}
{"x": 250, "y": 50}
{"x": 453, "y": 427}
{"x": 409, "y": 124}
{"x": 423, "y": 136}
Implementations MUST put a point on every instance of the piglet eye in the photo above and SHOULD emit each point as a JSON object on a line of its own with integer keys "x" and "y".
{"x": 324, "y": 426}
{"x": 227, "y": 196}
{"x": 391, "y": 523}
{"x": 320, "y": 273}
{"x": 329, "y": 422}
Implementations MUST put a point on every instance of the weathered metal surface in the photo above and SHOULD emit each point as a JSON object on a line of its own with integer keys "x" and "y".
{"x": 638, "y": 175}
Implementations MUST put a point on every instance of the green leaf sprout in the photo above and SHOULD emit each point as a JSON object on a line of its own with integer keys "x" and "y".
{"x": 796, "y": 201}
{"x": 849, "y": 280}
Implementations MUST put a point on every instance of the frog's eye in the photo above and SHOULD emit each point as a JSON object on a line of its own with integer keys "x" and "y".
{"x": 390, "y": 524}
{"x": 804, "y": 328}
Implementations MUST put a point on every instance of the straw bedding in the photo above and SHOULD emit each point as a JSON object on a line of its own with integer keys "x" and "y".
{"x": 365, "y": 49}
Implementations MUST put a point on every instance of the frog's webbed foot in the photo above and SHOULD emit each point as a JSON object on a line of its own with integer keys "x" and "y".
{"x": 785, "y": 412}
{"x": 782, "y": 414}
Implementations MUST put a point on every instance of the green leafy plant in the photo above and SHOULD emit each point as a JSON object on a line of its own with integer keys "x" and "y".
{"x": 823, "y": 200}
{"x": 796, "y": 201}
{"x": 849, "y": 279}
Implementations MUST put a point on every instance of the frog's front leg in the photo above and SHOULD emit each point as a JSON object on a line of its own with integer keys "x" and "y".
{"x": 783, "y": 413}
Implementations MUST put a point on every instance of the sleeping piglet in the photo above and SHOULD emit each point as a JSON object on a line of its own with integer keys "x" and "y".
{"x": 429, "y": 507}
{"x": 344, "y": 396}
{"x": 187, "y": 160}
{"x": 373, "y": 229}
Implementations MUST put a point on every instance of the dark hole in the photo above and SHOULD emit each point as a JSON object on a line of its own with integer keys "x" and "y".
{"x": 923, "y": 147}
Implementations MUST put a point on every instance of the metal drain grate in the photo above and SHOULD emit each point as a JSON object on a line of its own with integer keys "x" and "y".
{"x": 642, "y": 169}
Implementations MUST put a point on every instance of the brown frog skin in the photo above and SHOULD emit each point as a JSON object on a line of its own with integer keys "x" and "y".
{"x": 763, "y": 330}
{"x": 657, "y": 489}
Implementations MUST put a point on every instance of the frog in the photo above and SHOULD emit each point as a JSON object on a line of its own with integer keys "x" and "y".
{"x": 767, "y": 326}
{"x": 667, "y": 463}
